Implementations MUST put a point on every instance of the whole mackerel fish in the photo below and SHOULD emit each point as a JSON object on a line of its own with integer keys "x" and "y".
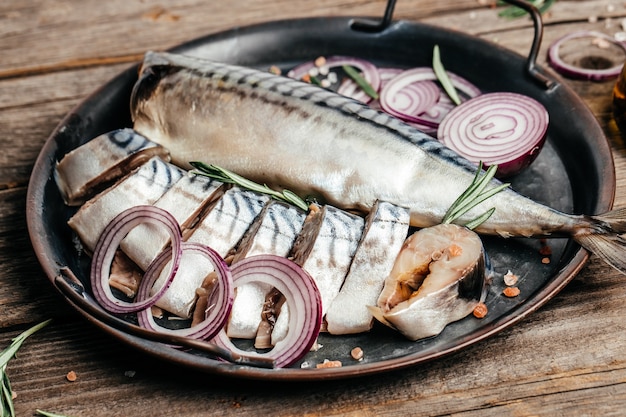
{"x": 293, "y": 135}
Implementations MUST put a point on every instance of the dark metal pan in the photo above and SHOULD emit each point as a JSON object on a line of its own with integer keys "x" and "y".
{"x": 574, "y": 173}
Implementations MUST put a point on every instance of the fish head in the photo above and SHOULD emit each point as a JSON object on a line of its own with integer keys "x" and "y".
{"x": 152, "y": 71}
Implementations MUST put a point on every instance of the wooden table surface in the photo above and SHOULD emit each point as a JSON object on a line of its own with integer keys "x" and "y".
{"x": 568, "y": 358}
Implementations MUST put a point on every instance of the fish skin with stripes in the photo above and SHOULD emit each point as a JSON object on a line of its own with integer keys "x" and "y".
{"x": 292, "y": 135}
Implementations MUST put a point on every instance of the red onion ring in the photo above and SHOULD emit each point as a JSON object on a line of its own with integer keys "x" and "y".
{"x": 568, "y": 70}
{"x": 507, "y": 129}
{"x": 349, "y": 88}
{"x": 107, "y": 245}
{"x": 218, "y": 311}
{"x": 410, "y": 82}
{"x": 411, "y": 100}
{"x": 301, "y": 295}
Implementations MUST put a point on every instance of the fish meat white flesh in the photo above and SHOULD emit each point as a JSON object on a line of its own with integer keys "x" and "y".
{"x": 274, "y": 232}
{"x": 143, "y": 186}
{"x": 439, "y": 277}
{"x": 185, "y": 200}
{"x": 386, "y": 229}
{"x": 221, "y": 228}
{"x": 293, "y": 135}
{"x": 325, "y": 249}
{"x": 94, "y": 165}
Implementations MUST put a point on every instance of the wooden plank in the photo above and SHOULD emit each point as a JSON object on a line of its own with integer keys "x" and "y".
{"x": 107, "y": 28}
{"x": 26, "y": 295}
{"x": 31, "y": 107}
{"x": 123, "y": 30}
{"x": 567, "y": 358}
{"x": 509, "y": 373}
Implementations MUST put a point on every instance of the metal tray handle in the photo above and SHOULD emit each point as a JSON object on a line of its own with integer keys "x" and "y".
{"x": 531, "y": 61}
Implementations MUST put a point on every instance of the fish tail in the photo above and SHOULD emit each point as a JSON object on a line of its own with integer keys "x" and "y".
{"x": 605, "y": 238}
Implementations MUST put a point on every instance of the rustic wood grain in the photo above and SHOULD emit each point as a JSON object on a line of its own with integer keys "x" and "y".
{"x": 568, "y": 358}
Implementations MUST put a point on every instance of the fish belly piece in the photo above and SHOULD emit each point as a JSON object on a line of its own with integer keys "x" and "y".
{"x": 185, "y": 200}
{"x": 104, "y": 159}
{"x": 274, "y": 232}
{"x": 386, "y": 229}
{"x": 325, "y": 249}
{"x": 439, "y": 277}
{"x": 144, "y": 186}
{"x": 221, "y": 229}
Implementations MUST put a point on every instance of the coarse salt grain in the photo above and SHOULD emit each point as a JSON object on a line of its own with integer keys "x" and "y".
{"x": 510, "y": 278}
{"x": 320, "y": 61}
{"x": 511, "y": 292}
{"x": 480, "y": 311}
{"x": 329, "y": 364}
{"x": 357, "y": 354}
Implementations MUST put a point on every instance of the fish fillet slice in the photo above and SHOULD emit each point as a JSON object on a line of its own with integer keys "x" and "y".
{"x": 221, "y": 229}
{"x": 274, "y": 232}
{"x": 96, "y": 164}
{"x": 143, "y": 186}
{"x": 184, "y": 200}
{"x": 386, "y": 228}
{"x": 325, "y": 249}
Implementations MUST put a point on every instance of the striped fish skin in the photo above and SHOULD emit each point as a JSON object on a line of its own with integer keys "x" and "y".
{"x": 185, "y": 200}
{"x": 288, "y": 134}
{"x": 386, "y": 229}
{"x": 325, "y": 249}
{"x": 225, "y": 225}
{"x": 221, "y": 229}
{"x": 104, "y": 159}
{"x": 274, "y": 233}
{"x": 144, "y": 186}
{"x": 348, "y": 155}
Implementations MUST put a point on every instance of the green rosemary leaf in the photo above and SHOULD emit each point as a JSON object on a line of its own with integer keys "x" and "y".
{"x": 466, "y": 200}
{"x": 315, "y": 80}
{"x": 226, "y": 176}
{"x": 514, "y": 12}
{"x": 361, "y": 82}
{"x": 9, "y": 352}
{"x": 443, "y": 78}
{"x": 294, "y": 199}
{"x": 6, "y": 398}
{"x": 6, "y": 402}
{"x": 473, "y": 196}
{"x": 480, "y": 219}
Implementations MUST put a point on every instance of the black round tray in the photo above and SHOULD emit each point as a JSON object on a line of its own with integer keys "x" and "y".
{"x": 574, "y": 173}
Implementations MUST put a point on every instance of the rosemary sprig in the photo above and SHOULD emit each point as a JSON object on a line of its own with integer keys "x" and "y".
{"x": 514, "y": 12}
{"x": 443, "y": 78}
{"x": 473, "y": 196}
{"x": 6, "y": 396}
{"x": 361, "y": 82}
{"x": 229, "y": 177}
